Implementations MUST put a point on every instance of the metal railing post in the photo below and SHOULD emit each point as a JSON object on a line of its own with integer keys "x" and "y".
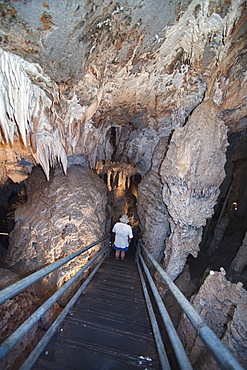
{"x": 157, "y": 335}
{"x": 19, "y": 333}
{"x": 30, "y": 361}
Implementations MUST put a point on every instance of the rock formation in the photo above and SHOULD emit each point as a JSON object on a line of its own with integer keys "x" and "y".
{"x": 239, "y": 262}
{"x": 221, "y": 304}
{"x": 151, "y": 98}
{"x": 152, "y": 211}
{"x": 71, "y": 214}
{"x": 192, "y": 172}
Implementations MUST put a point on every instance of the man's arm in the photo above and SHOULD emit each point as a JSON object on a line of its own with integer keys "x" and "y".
{"x": 130, "y": 236}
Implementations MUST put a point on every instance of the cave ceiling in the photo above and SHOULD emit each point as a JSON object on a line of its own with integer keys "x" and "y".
{"x": 106, "y": 80}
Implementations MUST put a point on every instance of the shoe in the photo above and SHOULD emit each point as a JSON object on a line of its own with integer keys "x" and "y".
{"x": 117, "y": 259}
{"x": 122, "y": 260}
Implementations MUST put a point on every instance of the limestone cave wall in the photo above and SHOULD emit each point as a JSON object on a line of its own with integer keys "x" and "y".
{"x": 137, "y": 107}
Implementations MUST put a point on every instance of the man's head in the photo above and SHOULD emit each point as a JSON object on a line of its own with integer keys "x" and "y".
{"x": 124, "y": 219}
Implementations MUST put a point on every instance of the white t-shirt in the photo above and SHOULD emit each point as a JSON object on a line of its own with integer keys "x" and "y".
{"x": 123, "y": 232}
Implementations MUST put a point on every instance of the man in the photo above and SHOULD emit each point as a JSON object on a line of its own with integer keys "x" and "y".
{"x": 123, "y": 236}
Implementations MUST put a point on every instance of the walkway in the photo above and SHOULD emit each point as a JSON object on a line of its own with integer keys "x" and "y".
{"x": 108, "y": 327}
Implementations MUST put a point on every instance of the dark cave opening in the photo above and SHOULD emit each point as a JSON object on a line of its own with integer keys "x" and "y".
{"x": 12, "y": 196}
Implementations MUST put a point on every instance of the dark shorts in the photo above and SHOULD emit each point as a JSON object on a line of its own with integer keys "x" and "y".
{"x": 121, "y": 249}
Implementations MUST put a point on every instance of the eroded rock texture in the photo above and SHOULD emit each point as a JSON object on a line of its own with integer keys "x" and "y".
{"x": 152, "y": 211}
{"x": 192, "y": 172}
{"x": 113, "y": 82}
{"x": 115, "y": 64}
{"x": 60, "y": 217}
{"x": 138, "y": 91}
{"x": 221, "y": 304}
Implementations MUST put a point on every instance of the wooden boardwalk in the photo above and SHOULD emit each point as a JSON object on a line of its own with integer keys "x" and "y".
{"x": 108, "y": 327}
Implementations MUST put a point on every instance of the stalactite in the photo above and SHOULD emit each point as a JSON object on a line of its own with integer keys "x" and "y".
{"x": 19, "y": 97}
{"x": 109, "y": 180}
{"x": 128, "y": 182}
{"x": 23, "y": 108}
{"x": 114, "y": 175}
{"x": 49, "y": 149}
{"x": 121, "y": 180}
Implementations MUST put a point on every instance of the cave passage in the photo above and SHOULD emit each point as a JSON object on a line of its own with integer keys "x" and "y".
{"x": 122, "y": 183}
{"x": 111, "y": 108}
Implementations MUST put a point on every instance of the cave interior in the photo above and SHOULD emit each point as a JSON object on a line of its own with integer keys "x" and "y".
{"x": 125, "y": 107}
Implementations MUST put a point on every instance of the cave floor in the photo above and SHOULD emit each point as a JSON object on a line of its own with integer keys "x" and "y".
{"x": 108, "y": 327}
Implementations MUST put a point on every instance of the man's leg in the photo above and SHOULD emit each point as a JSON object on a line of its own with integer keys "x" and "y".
{"x": 117, "y": 252}
{"x": 122, "y": 255}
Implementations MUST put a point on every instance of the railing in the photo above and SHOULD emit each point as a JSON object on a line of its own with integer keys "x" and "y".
{"x": 18, "y": 287}
{"x": 221, "y": 354}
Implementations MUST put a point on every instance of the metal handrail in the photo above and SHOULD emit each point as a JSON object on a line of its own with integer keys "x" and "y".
{"x": 16, "y": 288}
{"x": 155, "y": 327}
{"x": 24, "y": 283}
{"x": 176, "y": 343}
{"x": 32, "y": 358}
{"x": 219, "y": 351}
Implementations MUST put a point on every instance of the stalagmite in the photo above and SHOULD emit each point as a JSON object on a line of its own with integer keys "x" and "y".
{"x": 60, "y": 216}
